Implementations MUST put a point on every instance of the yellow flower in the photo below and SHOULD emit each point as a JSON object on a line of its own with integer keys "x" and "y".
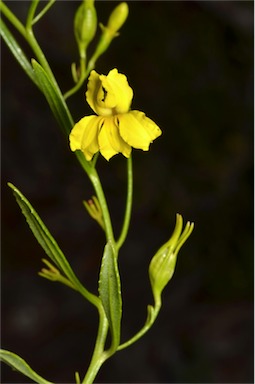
{"x": 116, "y": 128}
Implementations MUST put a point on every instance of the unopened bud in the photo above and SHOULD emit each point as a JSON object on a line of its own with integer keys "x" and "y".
{"x": 162, "y": 265}
{"x": 94, "y": 209}
{"x": 115, "y": 22}
{"x": 117, "y": 18}
{"x": 85, "y": 24}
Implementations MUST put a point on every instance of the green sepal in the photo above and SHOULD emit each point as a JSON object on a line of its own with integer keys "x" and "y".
{"x": 54, "y": 98}
{"x": 17, "y": 363}
{"x": 49, "y": 244}
{"x": 110, "y": 293}
{"x": 17, "y": 52}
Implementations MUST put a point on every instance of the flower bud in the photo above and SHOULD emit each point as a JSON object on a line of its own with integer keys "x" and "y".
{"x": 85, "y": 25}
{"x": 115, "y": 22}
{"x": 94, "y": 209}
{"x": 162, "y": 265}
{"x": 117, "y": 18}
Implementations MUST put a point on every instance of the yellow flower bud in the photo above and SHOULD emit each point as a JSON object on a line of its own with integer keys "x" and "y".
{"x": 117, "y": 17}
{"x": 85, "y": 25}
{"x": 110, "y": 31}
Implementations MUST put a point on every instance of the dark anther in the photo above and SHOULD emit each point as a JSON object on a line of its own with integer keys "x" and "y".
{"x": 105, "y": 93}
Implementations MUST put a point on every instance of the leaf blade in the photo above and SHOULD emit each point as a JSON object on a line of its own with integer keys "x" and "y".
{"x": 48, "y": 243}
{"x": 110, "y": 293}
{"x": 19, "y": 364}
{"x": 54, "y": 98}
{"x": 17, "y": 52}
{"x": 38, "y": 228}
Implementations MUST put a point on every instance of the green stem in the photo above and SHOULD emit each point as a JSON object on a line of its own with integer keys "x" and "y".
{"x": 27, "y": 33}
{"x": 82, "y": 78}
{"x": 40, "y": 55}
{"x": 43, "y": 11}
{"x": 152, "y": 315}
{"x": 95, "y": 180}
{"x": 31, "y": 13}
{"x": 127, "y": 216}
{"x": 99, "y": 355}
{"x": 13, "y": 19}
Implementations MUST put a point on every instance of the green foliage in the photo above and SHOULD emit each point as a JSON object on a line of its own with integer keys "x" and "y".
{"x": 17, "y": 52}
{"x": 20, "y": 365}
{"x": 110, "y": 292}
{"x": 109, "y": 301}
{"x": 48, "y": 243}
{"x": 54, "y": 98}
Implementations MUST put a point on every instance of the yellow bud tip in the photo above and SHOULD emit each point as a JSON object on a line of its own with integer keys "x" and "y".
{"x": 118, "y": 17}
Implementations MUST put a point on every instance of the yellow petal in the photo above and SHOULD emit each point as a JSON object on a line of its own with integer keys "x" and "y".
{"x": 110, "y": 142}
{"x": 152, "y": 128}
{"x": 109, "y": 95}
{"x": 95, "y": 95}
{"x": 118, "y": 89}
{"x": 84, "y": 136}
{"x": 138, "y": 130}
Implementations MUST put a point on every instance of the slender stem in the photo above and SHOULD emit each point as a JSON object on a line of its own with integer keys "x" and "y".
{"x": 43, "y": 11}
{"x": 148, "y": 324}
{"x": 127, "y": 216}
{"x": 31, "y": 13}
{"x": 82, "y": 78}
{"x": 13, "y": 19}
{"x": 94, "y": 178}
{"x": 99, "y": 355}
{"x": 28, "y": 34}
{"x": 40, "y": 55}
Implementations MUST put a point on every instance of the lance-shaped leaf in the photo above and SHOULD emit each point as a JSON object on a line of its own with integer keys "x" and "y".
{"x": 49, "y": 244}
{"x": 20, "y": 365}
{"x": 17, "y": 51}
{"x": 110, "y": 293}
{"x": 54, "y": 98}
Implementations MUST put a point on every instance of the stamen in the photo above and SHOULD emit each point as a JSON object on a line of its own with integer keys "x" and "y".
{"x": 105, "y": 94}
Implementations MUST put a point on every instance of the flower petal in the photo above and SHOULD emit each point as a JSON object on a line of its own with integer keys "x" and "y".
{"x": 152, "y": 128}
{"x": 110, "y": 141}
{"x": 84, "y": 136}
{"x": 118, "y": 89}
{"x": 109, "y": 95}
{"x": 138, "y": 130}
{"x": 95, "y": 95}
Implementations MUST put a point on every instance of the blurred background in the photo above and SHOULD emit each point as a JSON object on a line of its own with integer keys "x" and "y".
{"x": 190, "y": 64}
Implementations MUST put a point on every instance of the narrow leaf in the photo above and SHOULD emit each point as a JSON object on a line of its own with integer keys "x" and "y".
{"x": 110, "y": 293}
{"x": 38, "y": 228}
{"x": 54, "y": 98}
{"x": 17, "y": 51}
{"x": 58, "y": 106}
{"x": 20, "y": 365}
{"x": 47, "y": 242}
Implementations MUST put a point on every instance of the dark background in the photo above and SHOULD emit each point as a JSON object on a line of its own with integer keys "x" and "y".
{"x": 191, "y": 67}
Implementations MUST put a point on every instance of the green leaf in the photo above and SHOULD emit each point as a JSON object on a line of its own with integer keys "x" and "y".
{"x": 110, "y": 293}
{"x": 54, "y": 98}
{"x": 48, "y": 243}
{"x": 39, "y": 230}
{"x": 20, "y": 365}
{"x": 17, "y": 52}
